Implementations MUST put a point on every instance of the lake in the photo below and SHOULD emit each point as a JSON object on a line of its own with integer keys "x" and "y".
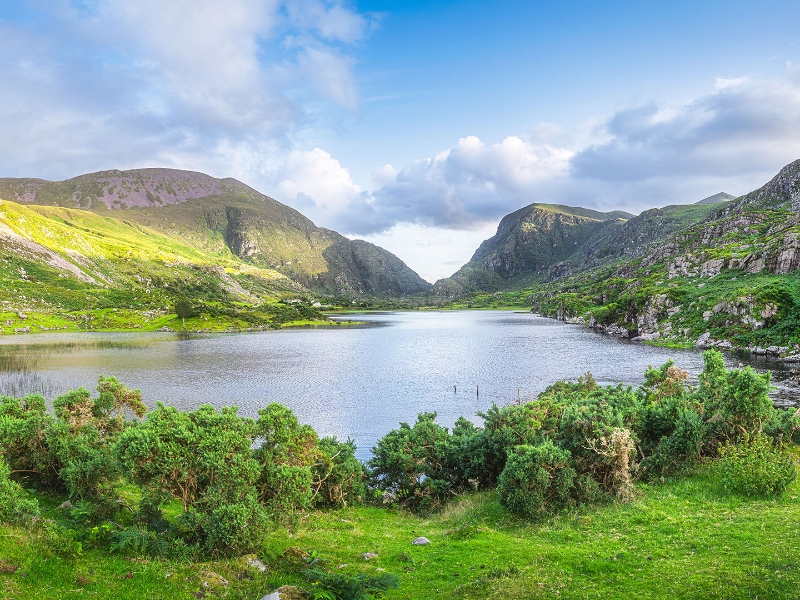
{"x": 348, "y": 381}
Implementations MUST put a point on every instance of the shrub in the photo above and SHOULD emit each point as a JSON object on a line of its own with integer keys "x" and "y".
{"x": 618, "y": 452}
{"x": 16, "y": 505}
{"x": 755, "y": 467}
{"x": 681, "y": 446}
{"x": 23, "y": 438}
{"x": 342, "y": 586}
{"x": 736, "y": 402}
{"x": 338, "y": 476}
{"x": 410, "y": 462}
{"x": 286, "y": 456}
{"x": 537, "y": 480}
{"x": 236, "y": 528}
{"x": 201, "y": 457}
{"x": 588, "y": 418}
{"x": 503, "y": 429}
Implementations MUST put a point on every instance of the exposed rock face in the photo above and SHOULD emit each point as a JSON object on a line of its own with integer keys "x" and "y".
{"x": 782, "y": 191}
{"x": 532, "y": 243}
{"x": 787, "y": 258}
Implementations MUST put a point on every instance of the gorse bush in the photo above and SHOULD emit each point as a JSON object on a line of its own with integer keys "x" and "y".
{"x": 338, "y": 476}
{"x": 286, "y": 456}
{"x": 537, "y": 480}
{"x": 16, "y": 505}
{"x": 756, "y": 467}
{"x": 599, "y": 439}
{"x": 410, "y": 462}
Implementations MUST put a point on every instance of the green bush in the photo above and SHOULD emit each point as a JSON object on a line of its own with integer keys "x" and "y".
{"x": 755, "y": 467}
{"x": 736, "y": 402}
{"x": 286, "y": 456}
{"x": 343, "y": 586}
{"x": 236, "y": 528}
{"x": 410, "y": 462}
{"x": 24, "y": 423}
{"x": 588, "y": 421}
{"x": 503, "y": 429}
{"x": 16, "y": 505}
{"x": 537, "y": 480}
{"x": 338, "y": 476}
{"x": 203, "y": 459}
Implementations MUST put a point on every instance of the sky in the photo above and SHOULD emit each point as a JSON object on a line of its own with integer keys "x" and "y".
{"x": 416, "y": 125}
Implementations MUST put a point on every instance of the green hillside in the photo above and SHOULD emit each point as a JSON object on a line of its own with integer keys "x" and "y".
{"x": 117, "y": 249}
{"x": 224, "y": 217}
{"x": 710, "y": 274}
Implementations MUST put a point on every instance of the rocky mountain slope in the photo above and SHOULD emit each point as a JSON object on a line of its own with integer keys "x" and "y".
{"x": 226, "y": 218}
{"x": 721, "y": 272}
{"x": 530, "y": 245}
{"x": 730, "y": 279}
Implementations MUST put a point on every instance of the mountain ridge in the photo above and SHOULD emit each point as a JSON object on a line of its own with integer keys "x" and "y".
{"x": 723, "y": 274}
{"x": 226, "y": 215}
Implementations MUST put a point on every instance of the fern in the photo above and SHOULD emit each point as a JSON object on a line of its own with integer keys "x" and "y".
{"x": 139, "y": 541}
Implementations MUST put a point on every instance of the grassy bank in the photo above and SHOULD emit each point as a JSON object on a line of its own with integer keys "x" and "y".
{"x": 678, "y": 539}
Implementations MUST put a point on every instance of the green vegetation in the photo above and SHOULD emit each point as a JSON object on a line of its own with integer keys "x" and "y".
{"x": 588, "y": 491}
{"x": 722, "y": 272}
{"x": 139, "y": 240}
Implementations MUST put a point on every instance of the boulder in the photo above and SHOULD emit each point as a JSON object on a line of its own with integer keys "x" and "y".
{"x": 703, "y": 341}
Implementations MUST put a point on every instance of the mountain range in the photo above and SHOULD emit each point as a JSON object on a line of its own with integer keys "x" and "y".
{"x": 719, "y": 271}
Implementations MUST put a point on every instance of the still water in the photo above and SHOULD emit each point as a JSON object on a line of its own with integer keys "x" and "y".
{"x": 355, "y": 381}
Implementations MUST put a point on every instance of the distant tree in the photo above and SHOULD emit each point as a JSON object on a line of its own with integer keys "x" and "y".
{"x": 183, "y": 308}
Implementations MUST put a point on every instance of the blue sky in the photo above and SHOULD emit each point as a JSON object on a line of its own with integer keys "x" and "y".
{"x": 416, "y": 125}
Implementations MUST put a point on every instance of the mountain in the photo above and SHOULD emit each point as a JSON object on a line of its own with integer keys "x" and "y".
{"x": 716, "y": 198}
{"x": 721, "y": 273}
{"x": 227, "y": 217}
{"x": 528, "y": 243}
{"x": 543, "y": 242}
{"x": 117, "y": 249}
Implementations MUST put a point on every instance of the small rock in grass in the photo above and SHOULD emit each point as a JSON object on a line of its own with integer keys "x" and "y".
{"x": 369, "y": 555}
{"x": 421, "y": 541}
{"x": 66, "y": 505}
{"x": 210, "y": 579}
{"x": 287, "y": 592}
{"x": 256, "y": 564}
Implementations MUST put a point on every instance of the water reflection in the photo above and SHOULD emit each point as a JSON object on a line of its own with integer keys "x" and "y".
{"x": 357, "y": 382}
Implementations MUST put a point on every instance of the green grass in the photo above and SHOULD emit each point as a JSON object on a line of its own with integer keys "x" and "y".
{"x": 680, "y": 539}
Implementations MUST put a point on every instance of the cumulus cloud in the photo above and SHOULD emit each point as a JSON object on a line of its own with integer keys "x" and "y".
{"x": 734, "y": 139}
{"x": 468, "y": 184}
{"x": 318, "y": 180}
{"x": 115, "y": 83}
{"x": 737, "y": 136}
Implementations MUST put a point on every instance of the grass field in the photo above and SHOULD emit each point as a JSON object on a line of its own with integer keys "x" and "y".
{"x": 683, "y": 538}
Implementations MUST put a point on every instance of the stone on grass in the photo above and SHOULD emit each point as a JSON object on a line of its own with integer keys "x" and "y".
{"x": 287, "y": 592}
{"x": 421, "y": 541}
{"x": 212, "y": 580}
{"x": 369, "y": 555}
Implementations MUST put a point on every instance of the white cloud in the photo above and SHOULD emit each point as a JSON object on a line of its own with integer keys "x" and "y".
{"x": 120, "y": 84}
{"x": 721, "y": 83}
{"x": 324, "y": 185}
{"x": 433, "y": 252}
